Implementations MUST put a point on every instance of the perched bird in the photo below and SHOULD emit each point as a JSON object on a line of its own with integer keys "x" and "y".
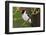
{"x": 25, "y": 16}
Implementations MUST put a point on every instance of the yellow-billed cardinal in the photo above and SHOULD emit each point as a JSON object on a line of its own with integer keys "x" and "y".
{"x": 25, "y": 16}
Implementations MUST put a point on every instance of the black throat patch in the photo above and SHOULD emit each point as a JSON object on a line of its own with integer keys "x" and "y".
{"x": 23, "y": 11}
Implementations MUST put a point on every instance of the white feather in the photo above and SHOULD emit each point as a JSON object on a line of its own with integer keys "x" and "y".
{"x": 25, "y": 17}
{"x": 29, "y": 20}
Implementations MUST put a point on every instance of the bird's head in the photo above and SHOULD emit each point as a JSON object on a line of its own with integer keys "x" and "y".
{"x": 23, "y": 11}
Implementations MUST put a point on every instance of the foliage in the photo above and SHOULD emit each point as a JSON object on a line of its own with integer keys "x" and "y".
{"x": 17, "y": 19}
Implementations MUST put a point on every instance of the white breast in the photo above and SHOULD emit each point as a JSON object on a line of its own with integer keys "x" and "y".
{"x": 25, "y": 16}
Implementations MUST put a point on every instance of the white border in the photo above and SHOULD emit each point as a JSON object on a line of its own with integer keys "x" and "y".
{"x": 27, "y": 28}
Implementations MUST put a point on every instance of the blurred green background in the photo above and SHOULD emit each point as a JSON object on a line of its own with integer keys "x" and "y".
{"x": 17, "y": 19}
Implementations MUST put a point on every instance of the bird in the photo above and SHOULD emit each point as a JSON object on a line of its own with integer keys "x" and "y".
{"x": 25, "y": 16}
